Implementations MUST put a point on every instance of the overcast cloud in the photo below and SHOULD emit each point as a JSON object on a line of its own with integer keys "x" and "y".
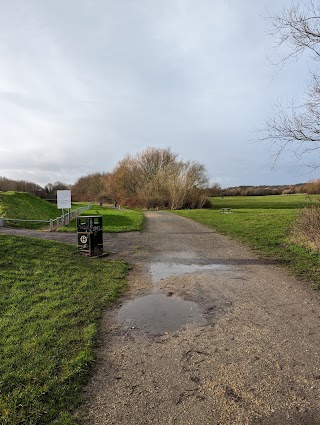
{"x": 84, "y": 82}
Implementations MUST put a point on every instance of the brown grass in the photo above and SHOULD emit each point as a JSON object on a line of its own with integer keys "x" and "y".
{"x": 306, "y": 231}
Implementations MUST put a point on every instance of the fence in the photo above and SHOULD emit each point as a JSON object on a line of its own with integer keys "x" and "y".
{"x": 53, "y": 223}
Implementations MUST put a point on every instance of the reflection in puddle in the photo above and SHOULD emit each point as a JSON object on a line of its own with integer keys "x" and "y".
{"x": 163, "y": 270}
{"x": 157, "y": 314}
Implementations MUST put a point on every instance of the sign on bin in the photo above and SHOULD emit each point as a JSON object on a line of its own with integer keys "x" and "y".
{"x": 84, "y": 239}
{"x": 90, "y": 238}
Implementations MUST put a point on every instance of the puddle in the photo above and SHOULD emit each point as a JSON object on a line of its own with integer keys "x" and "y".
{"x": 163, "y": 270}
{"x": 157, "y": 314}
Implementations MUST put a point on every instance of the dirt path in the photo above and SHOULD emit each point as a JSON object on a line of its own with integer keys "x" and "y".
{"x": 208, "y": 334}
{"x": 122, "y": 244}
{"x": 212, "y": 334}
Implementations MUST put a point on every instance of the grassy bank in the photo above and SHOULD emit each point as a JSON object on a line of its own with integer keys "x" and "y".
{"x": 265, "y": 223}
{"x": 113, "y": 220}
{"x": 50, "y": 302}
{"x": 20, "y": 205}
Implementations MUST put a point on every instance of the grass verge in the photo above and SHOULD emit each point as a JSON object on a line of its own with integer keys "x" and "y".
{"x": 50, "y": 302}
{"x": 268, "y": 231}
{"x": 113, "y": 220}
{"x": 21, "y": 205}
{"x": 274, "y": 202}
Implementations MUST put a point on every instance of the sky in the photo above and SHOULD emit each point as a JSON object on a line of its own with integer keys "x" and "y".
{"x": 85, "y": 82}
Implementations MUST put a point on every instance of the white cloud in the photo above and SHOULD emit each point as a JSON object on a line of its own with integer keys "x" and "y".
{"x": 84, "y": 82}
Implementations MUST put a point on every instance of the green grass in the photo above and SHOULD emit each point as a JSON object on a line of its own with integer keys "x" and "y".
{"x": 24, "y": 206}
{"x": 113, "y": 220}
{"x": 50, "y": 302}
{"x": 20, "y": 205}
{"x": 265, "y": 202}
{"x": 266, "y": 229}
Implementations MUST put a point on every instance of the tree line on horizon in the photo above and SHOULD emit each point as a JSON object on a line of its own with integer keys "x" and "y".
{"x": 154, "y": 178}
{"x": 94, "y": 187}
{"x": 311, "y": 187}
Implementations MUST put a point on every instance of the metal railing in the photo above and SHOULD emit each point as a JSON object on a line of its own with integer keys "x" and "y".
{"x": 63, "y": 220}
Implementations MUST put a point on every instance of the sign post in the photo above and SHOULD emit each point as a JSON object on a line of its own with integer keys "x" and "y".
{"x": 64, "y": 201}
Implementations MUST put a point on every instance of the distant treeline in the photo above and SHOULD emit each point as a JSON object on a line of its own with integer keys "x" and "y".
{"x": 311, "y": 187}
{"x": 153, "y": 179}
{"x": 47, "y": 192}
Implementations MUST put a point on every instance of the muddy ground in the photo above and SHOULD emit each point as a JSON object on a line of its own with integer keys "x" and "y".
{"x": 247, "y": 352}
{"x": 209, "y": 333}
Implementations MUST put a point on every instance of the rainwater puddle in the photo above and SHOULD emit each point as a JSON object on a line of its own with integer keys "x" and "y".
{"x": 161, "y": 270}
{"x": 157, "y": 314}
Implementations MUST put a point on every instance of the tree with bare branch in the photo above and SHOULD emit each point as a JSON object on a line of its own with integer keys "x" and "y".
{"x": 155, "y": 178}
{"x": 297, "y": 127}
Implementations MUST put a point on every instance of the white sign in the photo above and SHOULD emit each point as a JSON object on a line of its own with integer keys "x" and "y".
{"x": 64, "y": 199}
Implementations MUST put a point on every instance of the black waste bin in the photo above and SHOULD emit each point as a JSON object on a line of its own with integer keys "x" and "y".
{"x": 90, "y": 239}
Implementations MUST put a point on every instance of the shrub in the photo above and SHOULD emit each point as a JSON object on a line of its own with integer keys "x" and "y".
{"x": 307, "y": 228}
{"x": 313, "y": 187}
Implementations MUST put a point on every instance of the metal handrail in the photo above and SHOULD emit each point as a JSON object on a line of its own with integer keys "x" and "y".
{"x": 20, "y": 219}
{"x": 54, "y": 223}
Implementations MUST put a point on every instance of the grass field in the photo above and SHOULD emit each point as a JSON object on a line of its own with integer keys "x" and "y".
{"x": 50, "y": 302}
{"x": 27, "y": 207}
{"x": 265, "y": 223}
{"x": 113, "y": 220}
{"x": 265, "y": 202}
{"x": 19, "y": 205}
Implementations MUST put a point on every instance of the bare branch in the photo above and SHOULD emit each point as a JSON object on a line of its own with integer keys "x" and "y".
{"x": 297, "y": 128}
{"x": 298, "y": 28}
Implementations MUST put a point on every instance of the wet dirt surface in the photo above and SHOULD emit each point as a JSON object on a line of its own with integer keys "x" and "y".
{"x": 251, "y": 354}
{"x": 158, "y": 314}
{"x": 162, "y": 270}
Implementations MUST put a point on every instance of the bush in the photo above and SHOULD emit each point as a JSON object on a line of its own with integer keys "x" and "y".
{"x": 306, "y": 231}
{"x": 312, "y": 187}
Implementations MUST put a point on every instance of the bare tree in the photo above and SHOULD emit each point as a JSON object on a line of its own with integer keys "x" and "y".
{"x": 152, "y": 169}
{"x": 20, "y": 186}
{"x": 92, "y": 187}
{"x": 156, "y": 179}
{"x": 185, "y": 181}
{"x": 124, "y": 179}
{"x": 297, "y": 127}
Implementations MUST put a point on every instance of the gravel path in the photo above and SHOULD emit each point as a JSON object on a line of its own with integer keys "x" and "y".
{"x": 208, "y": 333}
{"x": 121, "y": 244}
{"x": 251, "y": 355}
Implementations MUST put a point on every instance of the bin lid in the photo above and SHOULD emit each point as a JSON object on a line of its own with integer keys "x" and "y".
{"x": 90, "y": 216}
